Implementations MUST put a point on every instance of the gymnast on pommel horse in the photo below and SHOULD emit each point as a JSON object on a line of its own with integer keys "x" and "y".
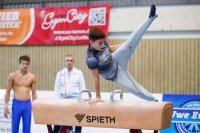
{"x": 110, "y": 61}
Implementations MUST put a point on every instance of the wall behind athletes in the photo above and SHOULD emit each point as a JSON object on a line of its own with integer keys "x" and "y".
{"x": 160, "y": 65}
{"x": 167, "y": 59}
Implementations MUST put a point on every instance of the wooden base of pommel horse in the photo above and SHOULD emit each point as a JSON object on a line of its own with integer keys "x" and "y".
{"x": 64, "y": 129}
{"x": 133, "y": 115}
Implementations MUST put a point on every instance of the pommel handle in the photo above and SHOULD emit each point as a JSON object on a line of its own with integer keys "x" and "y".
{"x": 80, "y": 100}
{"x": 112, "y": 101}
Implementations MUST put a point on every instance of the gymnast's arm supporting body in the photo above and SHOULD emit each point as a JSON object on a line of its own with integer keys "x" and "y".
{"x": 95, "y": 74}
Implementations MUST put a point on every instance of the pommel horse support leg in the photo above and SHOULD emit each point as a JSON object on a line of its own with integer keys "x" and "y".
{"x": 133, "y": 115}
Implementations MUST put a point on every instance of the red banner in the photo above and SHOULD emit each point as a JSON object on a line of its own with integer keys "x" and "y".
{"x": 52, "y": 26}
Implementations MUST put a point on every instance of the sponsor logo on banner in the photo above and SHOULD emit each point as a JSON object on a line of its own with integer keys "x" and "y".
{"x": 186, "y": 114}
{"x": 8, "y": 20}
{"x": 187, "y": 118}
{"x": 50, "y": 20}
{"x": 52, "y": 26}
{"x": 15, "y": 26}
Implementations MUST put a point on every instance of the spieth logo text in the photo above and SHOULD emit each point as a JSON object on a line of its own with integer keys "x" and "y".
{"x": 94, "y": 119}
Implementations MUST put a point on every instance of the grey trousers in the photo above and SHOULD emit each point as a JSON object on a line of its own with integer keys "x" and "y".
{"x": 122, "y": 55}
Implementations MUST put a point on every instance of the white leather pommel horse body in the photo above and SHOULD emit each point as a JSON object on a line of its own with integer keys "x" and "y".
{"x": 108, "y": 114}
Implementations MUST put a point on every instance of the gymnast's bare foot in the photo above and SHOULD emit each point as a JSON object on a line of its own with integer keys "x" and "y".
{"x": 152, "y": 11}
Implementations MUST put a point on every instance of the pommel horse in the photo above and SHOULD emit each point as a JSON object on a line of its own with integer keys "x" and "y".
{"x": 133, "y": 115}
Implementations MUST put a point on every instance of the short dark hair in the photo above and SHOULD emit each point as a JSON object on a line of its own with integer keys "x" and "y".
{"x": 96, "y": 34}
{"x": 24, "y": 57}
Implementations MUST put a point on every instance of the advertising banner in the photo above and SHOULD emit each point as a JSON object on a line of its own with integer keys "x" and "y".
{"x": 52, "y": 26}
{"x": 16, "y": 26}
{"x": 186, "y": 114}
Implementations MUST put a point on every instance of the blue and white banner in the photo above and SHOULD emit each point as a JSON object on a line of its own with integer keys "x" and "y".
{"x": 186, "y": 114}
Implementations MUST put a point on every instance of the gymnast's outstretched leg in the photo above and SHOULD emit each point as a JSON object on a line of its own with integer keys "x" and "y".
{"x": 123, "y": 54}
